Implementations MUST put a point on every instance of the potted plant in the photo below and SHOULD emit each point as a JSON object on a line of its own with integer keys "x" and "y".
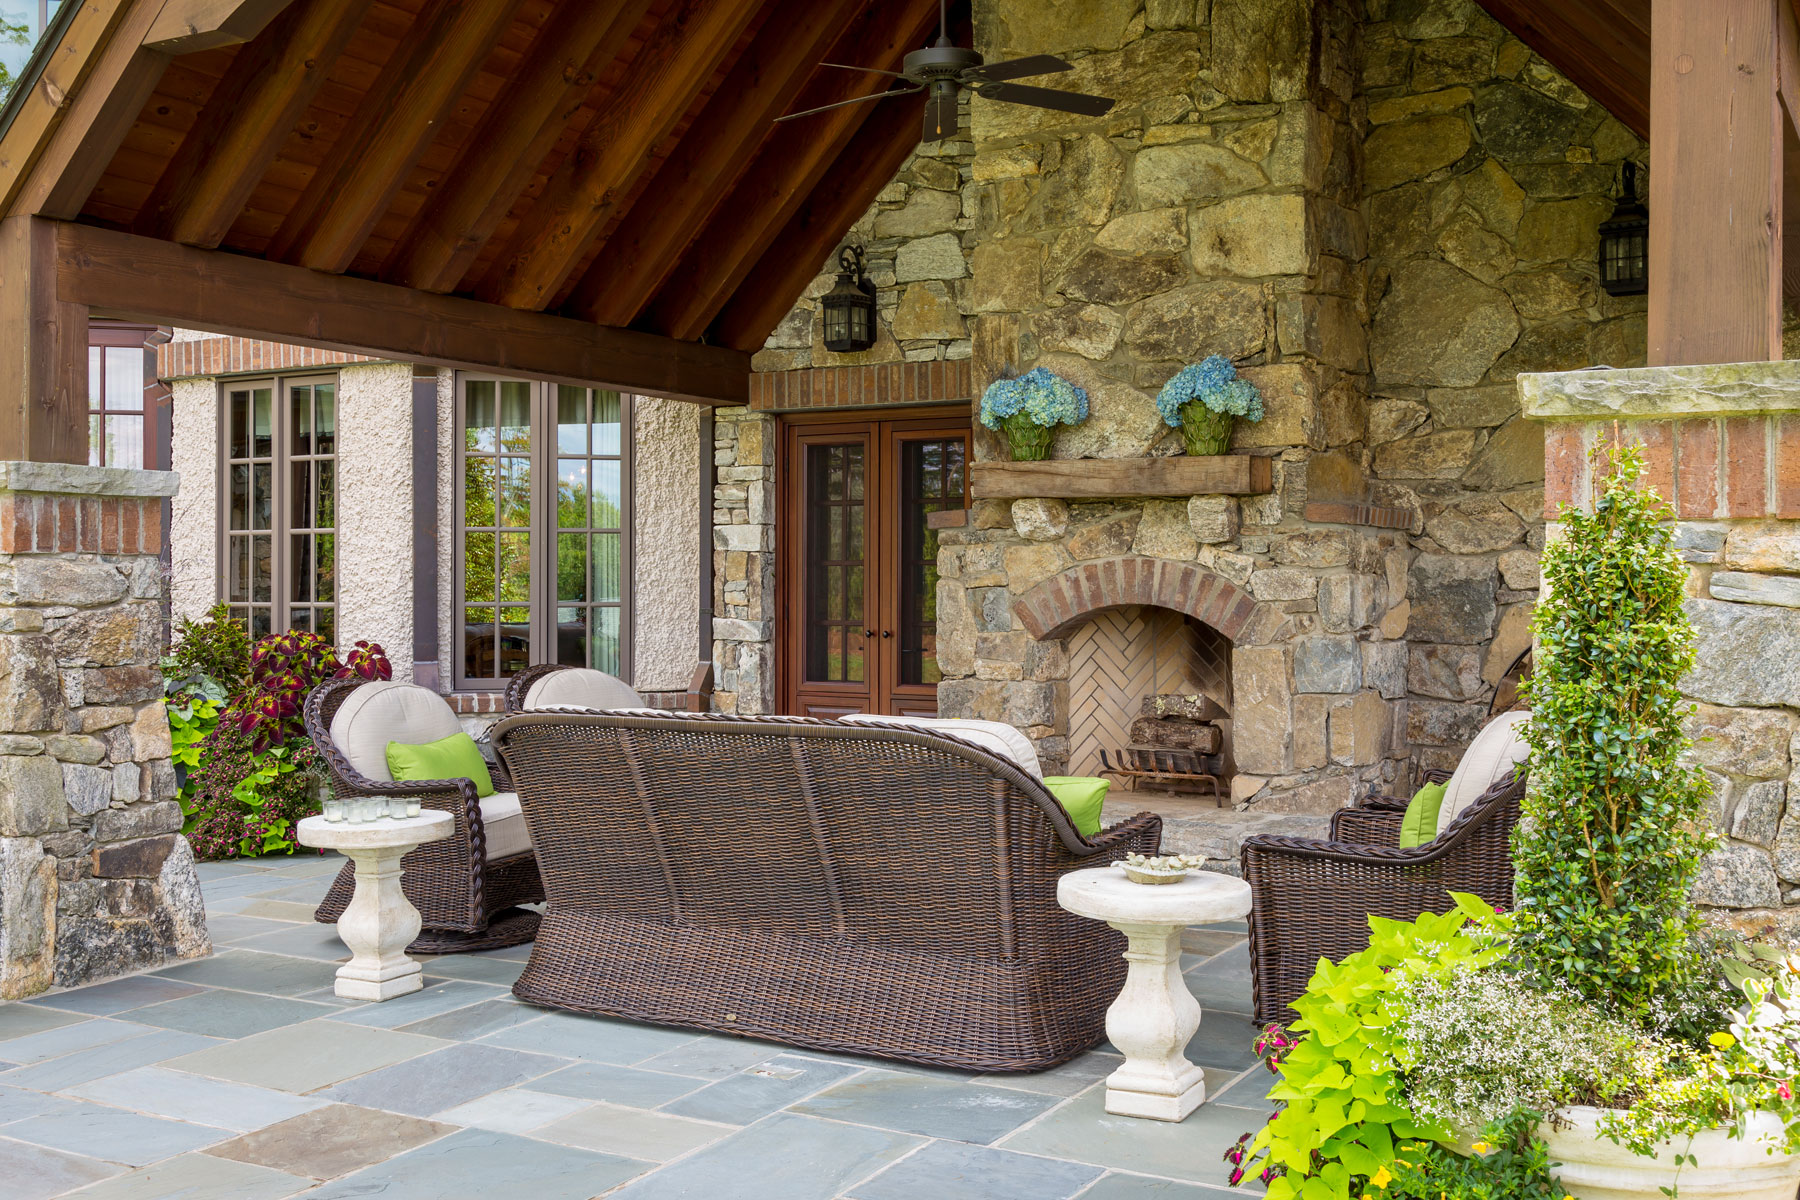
{"x": 1599, "y": 1043}
{"x": 1029, "y": 407}
{"x": 1205, "y": 400}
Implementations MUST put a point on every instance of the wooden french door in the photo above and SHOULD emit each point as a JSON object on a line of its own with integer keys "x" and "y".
{"x": 859, "y": 563}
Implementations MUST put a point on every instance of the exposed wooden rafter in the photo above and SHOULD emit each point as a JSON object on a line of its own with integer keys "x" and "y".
{"x": 671, "y": 69}
{"x": 184, "y": 26}
{"x": 268, "y": 85}
{"x": 685, "y": 190}
{"x": 552, "y": 80}
{"x": 393, "y": 126}
{"x": 235, "y": 294}
{"x": 787, "y": 168}
{"x": 1603, "y": 46}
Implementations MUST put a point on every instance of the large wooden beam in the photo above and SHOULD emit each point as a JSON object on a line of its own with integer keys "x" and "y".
{"x": 394, "y": 124}
{"x": 249, "y": 297}
{"x": 1604, "y": 48}
{"x": 1715, "y": 182}
{"x": 43, "y": 353}
{"x": 44, "y": 104}
{"x": 208, "y": 180}
{"x": 649, "y": 239}
{"x": 185, "y": 26}
{"x": 786, "y": 169}
{"x": 795, "y": 256}
{"x": 667, "y": 74}
{"x": 550, "y": 83}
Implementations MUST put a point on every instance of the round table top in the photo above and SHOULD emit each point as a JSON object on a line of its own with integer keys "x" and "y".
{"x": 1198, "y": 898}
{"x": 430, "y": 825}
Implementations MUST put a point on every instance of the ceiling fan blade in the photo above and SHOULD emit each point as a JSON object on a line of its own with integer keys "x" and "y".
{"x": 940, "y": 115}
{"x": 869, "y": 70}
{"x": 807, "y": 112}
{"x": 1037, "y": 97}
{"x": 1018, "y": 68}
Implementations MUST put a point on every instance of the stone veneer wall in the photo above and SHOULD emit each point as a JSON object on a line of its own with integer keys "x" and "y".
{"x": 1722, "y": 444}
{"x": 95, "y": 877}
{"x": 744, "y": 562}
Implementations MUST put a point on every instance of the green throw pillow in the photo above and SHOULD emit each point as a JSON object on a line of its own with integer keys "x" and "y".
{"x": 1420, "y": 823}
{"x": 454, "y": 757}
{"x": 1080, "y": 797}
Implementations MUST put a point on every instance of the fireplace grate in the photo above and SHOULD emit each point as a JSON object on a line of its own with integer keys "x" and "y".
{"x": 1182, "y": 770}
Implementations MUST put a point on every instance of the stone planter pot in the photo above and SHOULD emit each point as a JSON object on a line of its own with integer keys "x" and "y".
{"x": 1205, "y": 431}
{"x": 1596, "y": 1168}
{"x": 1029, "y": 441}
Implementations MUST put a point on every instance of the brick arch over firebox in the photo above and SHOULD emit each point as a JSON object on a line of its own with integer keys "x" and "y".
{"x": 1056, "y": 606}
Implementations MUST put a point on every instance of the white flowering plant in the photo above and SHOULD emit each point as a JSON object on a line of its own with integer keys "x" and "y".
{"x": 1213, "y": 382}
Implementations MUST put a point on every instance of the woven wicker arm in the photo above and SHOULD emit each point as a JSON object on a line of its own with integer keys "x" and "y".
{"x": 520, "y": 684}
{"x": 1312, "y": 899}
{"x": 1367, "y": 826}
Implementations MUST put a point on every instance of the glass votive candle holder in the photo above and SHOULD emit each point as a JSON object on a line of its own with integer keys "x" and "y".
{"x": 412, "y": 806}
{"x": 396, "y": 807}
{"x": 332, "y": 809}
{"x": 367, "y": 809}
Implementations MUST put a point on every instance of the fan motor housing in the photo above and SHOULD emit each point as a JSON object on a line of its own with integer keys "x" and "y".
{"x": 940, "y": 62}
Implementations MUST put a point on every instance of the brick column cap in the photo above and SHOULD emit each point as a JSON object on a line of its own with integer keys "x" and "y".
{"x": 1705, "y": 390}
{"x": 76, "y": 479}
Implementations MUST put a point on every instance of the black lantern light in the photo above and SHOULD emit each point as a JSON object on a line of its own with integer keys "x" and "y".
{"x": 1625, "y": 242}
{"x": 850, "y": 305}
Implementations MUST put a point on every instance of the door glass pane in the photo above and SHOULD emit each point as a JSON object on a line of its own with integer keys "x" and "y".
{"x": 325, "y": 621}
{"x": 237, "y": 569}
{"x": 931, "y": 480}
{"x": 572, "y": 493}
{"x": 478, "y": 416}
{"x": 571, "y": 568}
{"x": 606, "y": 567}
{"x": 515, "y": 567}
{"x": 606, "y": 493}
{"x": 515, "y": 640}
{"x": 300, "y": 567}
{"x": 604, "y": 642}
{"x": 240, "y": 424}
{"x": 479, "y": 657}
{"x": 262, "y": 568}
{"x": 607, "y": 412}
{"x": 325, "y": 552}
{"x": 479, "y": 568}
{"x": 571, "y": 420}
{"x": 325, "y": 418}
{"x": 833, "y": 641}
{"x": 261, "y": 496}
{"x": 325, "y": 511}
{"x": 262, "y": 429}
{"x": 300, "y": 419}
{"x": 124, "y": 379}
{"x": 515, "y": 492}
{"x": 571, "y": 636}
{"x": 478, "y": 492}
{"x": 240, "y": 497}
{"x": 300, "y": 498}
{"x": 515, "y": 417}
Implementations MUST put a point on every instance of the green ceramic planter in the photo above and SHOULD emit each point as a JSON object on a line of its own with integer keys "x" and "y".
{"x": 1205, "y": 431}
{"x": 1029, "y": 440}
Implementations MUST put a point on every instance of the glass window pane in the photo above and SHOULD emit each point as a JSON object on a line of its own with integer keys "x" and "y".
{"x": 262, "y": 500}
{"x": 237, "y": 569}
{"x": 240, "y": 497}
{"x": 515, "y": 640}
{"x": 94, "y": 377}
{"x": 262, "y": 430}
{"x": 325, "y": 548}
{"x": 571, "y": 637}
{"x": 479, "y": 661}
{"x": 571, "y": 493}
{"x": 856, "y": 472}
{"x": 606, "y": 493}
{"x": 606, "y": 567}
{"x": 515, "y": 492}
{"x": 240, "y": 424}
{"x": 300, "y": 618}
{"x": 262, "y": 568}
{"x": 571, "y": 420}
{"x": 124, "y": 379}
{"x": 300, "y": 419}
{"x": 515, "y": 567}
{"x": 325, "y": 622}
{"x": 325, "y": 514}
{"x": 300, "y": 499}
{"x": 478, "y": 415}
{"x": 478, "y": 567}
{"x": 571, "y": 567}
{"x": 125, "y": 442}
{"x": 515, "y": 417}
{"x": 96, "y": 441}
{"x": 260, "y": 623}
{"x": 325, "y": 418}
{"x": 603, "y": 645}
{"x": 300, "y": 568}
{"x": 478, "y": 493}
{"x": 607, "y": 409}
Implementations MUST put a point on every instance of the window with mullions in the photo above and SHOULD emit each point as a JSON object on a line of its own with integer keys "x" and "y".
{"x": 542, "y": 556}
{"x": 280, "y": 526}
{"x": 120, "y": 432}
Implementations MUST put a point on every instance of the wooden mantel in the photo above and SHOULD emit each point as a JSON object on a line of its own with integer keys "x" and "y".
{"x": 1104, "y": 478}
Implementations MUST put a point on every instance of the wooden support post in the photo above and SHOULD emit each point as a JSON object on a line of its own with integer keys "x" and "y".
{"x": 43, "y": 351}
{"x": 1716, "y": 132}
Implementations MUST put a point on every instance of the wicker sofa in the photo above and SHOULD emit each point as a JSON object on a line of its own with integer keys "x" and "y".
{"x": 1312, "y": 898}
{"x": 870, "y": 890}
{"x": 466, "y": 887}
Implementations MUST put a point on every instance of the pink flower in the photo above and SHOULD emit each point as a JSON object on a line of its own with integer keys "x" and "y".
{"x": 1784, "y": 1091}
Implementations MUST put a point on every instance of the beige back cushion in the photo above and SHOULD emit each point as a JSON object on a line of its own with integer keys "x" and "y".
{"x": 389, "y": 711}
{"x": 996, "y": 737}
{"x": 1497, "y": 749}
{"x": 583, "y": 688}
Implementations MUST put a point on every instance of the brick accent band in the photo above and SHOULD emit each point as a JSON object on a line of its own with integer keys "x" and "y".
{"x": 1707, "y": 468}
{"x": 35, "y": 523}
{"x": 1056, "y": 606}
{"x": 243, "y": 356}
{"x": 863, "y": 387}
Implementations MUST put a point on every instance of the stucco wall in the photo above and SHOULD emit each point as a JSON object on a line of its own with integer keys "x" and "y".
{"x": 666, "y": 550}
{"x": 375, "y": 528}
{"x": 194, "y": 513}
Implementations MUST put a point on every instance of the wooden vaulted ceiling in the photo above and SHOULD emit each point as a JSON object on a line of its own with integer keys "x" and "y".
{"x": 612, "y": 161}
{"x": 1603, "y": 46}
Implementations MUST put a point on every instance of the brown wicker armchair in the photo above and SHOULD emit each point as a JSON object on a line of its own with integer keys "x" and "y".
{"x": 1312, "y": 898}
{"x": 848, "y": 888}
{"x": 467, "y": 898}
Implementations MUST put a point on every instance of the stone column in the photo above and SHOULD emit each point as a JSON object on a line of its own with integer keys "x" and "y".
{"x": 744, "y": 561}
{"x": 1722, "y": 445}
{"x": 95, "y": 878}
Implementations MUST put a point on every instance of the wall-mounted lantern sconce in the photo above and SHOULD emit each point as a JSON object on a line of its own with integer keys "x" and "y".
{"x": 850, "y": 305}
{"x": 1625, "y": 242}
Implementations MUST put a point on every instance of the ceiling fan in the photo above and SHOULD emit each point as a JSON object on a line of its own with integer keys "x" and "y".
{"x": 943, "y": 68}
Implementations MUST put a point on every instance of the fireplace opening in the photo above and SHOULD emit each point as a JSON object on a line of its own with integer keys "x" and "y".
{"x": 1150, "y": 702}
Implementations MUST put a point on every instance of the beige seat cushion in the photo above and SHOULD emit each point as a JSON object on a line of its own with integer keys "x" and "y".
{"x": 583, "y": 688}
{"x": 996, "y": 737}
{"x": 389, "y": 711}
{"x": 1497, "y": 749}
{"x": 503, "y": 823}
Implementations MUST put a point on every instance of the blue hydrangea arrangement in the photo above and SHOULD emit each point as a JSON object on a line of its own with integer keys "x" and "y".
{"x": 1205, "y": 399}
{"x": 1029, "y": 406}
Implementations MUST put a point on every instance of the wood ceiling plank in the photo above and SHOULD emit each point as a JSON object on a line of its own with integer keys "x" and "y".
{"x": 559, "y": 71}
{"x": 1603, "y": 55}
{"x": 394, "y": 124}
{"x": 249, "y": 297}
{"x": 668, "y": 73}
{"x": 787, "y": 167}
{"x": 249, "y": 115}
{"x": 794, "y": 257}
{"x": 647, "y": 244}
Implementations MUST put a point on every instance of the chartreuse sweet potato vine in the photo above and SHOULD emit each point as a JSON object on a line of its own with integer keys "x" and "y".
{"x": 1613, "y": 828}
{"x": 1345, "y": 1110}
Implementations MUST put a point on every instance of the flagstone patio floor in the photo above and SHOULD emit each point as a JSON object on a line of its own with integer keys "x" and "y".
{"x": 242, "y": 1077}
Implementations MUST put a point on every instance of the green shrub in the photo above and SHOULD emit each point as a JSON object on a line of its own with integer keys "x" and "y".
{"x": 1611, "y": 835}
{"x": 214, "y": 647}
{"x": 241, "y": 802}
{"x": 1508, "y": 1163}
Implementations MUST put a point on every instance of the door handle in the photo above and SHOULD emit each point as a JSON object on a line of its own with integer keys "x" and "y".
{"x": 868, "y": 633}
{"x": 887, "y": 633}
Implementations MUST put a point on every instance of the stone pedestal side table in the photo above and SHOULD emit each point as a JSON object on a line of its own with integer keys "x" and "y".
{"x": 1155, "y": 1014}
{"x": 380, "y": 921}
